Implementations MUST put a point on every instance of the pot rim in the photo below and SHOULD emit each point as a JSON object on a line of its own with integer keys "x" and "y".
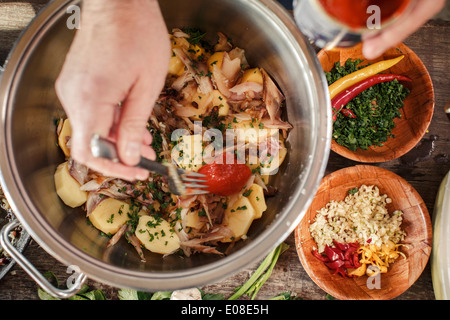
{"x": 42, "y": 232}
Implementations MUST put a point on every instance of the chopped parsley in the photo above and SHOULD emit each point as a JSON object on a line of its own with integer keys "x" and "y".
{"x": 375, "y": 109}
{"x": 110, "y": 220}
{"x": 202, "y": 212}
{"x": 156, "y": 143}
{"x": 196, "y": 35}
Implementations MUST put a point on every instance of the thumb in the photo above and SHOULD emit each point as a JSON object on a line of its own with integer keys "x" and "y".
{"x": 422, "y": 11}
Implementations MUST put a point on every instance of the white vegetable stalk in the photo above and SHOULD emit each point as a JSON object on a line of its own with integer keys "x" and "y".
{"x": 186, "y": 294}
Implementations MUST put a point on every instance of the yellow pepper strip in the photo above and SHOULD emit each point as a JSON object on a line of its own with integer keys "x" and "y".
{"x": 364, "y": 73}
{"x": 372, "y": 255}
{"x": 358, "y": 272}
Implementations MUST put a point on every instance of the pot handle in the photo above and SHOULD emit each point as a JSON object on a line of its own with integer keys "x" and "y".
{"x": 32, "y": 271}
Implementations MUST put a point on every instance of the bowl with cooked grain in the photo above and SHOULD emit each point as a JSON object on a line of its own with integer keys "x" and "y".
{"x": 381, "y": 108}
{"x": 366, "y": 236}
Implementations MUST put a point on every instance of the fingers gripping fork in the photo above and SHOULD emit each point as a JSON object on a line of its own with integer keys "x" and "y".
{"x": 181, "y": 182}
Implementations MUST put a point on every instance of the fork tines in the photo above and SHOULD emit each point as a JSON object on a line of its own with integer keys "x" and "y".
{"x": 193, "y": 182}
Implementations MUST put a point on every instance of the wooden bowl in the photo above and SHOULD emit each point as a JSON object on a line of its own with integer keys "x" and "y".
{"x": 416, "y": 223}
{"x": 416, "y": 113}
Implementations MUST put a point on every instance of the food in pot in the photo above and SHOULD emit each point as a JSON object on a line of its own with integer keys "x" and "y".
{"x": 226, "y": 178}
{"x": 211, "y": 94}
{"x": 361, "y": 225}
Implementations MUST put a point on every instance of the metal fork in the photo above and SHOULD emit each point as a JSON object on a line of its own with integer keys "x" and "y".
{"x": 181, "y": 182}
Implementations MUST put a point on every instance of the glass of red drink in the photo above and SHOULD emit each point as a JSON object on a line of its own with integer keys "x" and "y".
{"x": 342, "y": 22}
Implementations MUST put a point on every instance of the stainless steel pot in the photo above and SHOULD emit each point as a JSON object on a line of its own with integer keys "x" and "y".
{"x": 29, "y": 156}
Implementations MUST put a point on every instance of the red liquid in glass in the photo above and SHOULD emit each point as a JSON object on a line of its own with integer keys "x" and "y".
{"x": 353, "y": 13}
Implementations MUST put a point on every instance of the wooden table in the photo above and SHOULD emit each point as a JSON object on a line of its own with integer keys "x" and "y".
{"x": 424, "y": 167}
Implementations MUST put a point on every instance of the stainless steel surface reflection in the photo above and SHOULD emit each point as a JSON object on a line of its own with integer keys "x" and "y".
{"x": 28, "y": 155}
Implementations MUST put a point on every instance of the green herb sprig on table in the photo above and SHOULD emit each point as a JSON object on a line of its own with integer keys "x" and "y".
{"x": 375, "y": 109}
{"x": 250, "y": 288}
{"x": 85, "y": 293}
{"x": 261, "y": 274}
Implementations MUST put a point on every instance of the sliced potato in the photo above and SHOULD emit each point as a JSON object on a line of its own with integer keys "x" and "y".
{"x": 110, "y": 215}
{"x": 251, "y": 131}
{"x": 220, "y": 101}
{"x": 270, "y": 166}
{"x": 179, "y": 42}
{"x": 156, "y": 235}
{"x": 67, "y": 188}
{"x": 193, "y": 220}
{"x": 252, "y": 162}
{"x": 176, "y": 66}
{"x": 187, "y": 154}
{"x": 239, "y": 217}
{"x": 203, "y": 103}
{"x": 196, "y": 50}
{"x": 196, "y": 107}
{"x": 64, "y": 136}
{"x": 255, "y": 194}
{"x": 265, "y": 178}
{"x": 252, "y": 75}
{"x": 215, "y": 59}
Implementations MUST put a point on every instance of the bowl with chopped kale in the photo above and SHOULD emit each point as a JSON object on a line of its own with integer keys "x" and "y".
{"x": 381, "y": 108}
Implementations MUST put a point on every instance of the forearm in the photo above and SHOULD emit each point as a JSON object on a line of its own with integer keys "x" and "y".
{"x": 100, "y": 6}
{"x": 120, "y": 12}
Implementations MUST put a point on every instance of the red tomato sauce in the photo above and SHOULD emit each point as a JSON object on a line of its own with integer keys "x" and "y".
{"x": 225, "y": 178}
{"x": 354, "y": 14}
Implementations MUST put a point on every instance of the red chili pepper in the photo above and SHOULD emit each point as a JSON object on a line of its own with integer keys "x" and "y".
{"x": 342, "y": 272}
{"x": 342, "y": 246}
{"x": 340, "y": 258}
{"x": 356, "y": 262}
{"x": 335, "y": 112}
{"x": 349, "y": 264}
{"x": 349, "y": 252}
{"x": 320, "y": 257}
{"x": 348, "y": 94}
{"x": 354, "y": 244}
{"x": 348, "y": 113}
{"x": 333, "y": 254}
{"x": 335, "y": 264}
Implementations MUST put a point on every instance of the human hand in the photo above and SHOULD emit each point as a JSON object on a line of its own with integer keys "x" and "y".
{"x": 120, "y": 55}
{"x": 374, "y": 44}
